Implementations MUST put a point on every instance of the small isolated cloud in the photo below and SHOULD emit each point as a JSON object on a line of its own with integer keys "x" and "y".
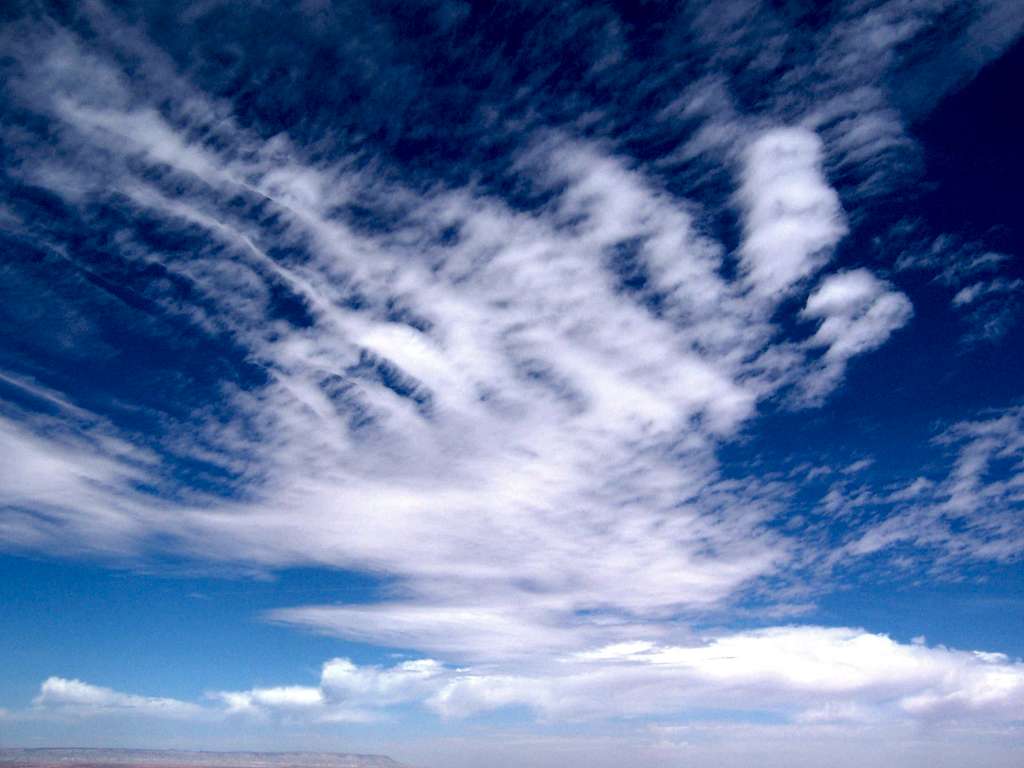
{"x": 856, "y": 313}
{"x": 801, "y": 673}
{"x": 805, "y": 674}
{"x": 857, "y": 466}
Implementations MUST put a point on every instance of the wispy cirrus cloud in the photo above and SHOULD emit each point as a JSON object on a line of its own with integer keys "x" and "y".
{"x": 506, "y": 399}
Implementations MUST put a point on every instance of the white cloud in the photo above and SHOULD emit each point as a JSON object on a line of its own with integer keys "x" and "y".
{"x": 857, "y": 466}
{"x": 373, "y": 686}
{"x": 792, "y": 217}
{"x": 346, "y": 693}
{"x": 970, "y": 514}
{"x": 857, "y": 313}
{"x": 550, "y": 481}
{"x": 74, "y": 697}
{"x": 804, "y": 673}
{"x": 291, "y": 697}
{"x": 954, "y": 261}
{"x": 801, "y": 674}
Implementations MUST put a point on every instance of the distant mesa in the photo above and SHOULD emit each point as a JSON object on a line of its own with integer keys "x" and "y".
{"x": 173, "y": 758}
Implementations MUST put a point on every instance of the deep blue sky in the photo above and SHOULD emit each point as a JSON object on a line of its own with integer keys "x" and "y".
{"x": 487, "y": 383}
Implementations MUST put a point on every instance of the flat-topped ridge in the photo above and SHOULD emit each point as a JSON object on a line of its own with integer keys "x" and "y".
{"x": 169, "y": 758}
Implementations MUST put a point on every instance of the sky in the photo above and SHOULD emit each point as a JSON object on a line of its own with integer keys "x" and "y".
{"x": 519, "y": 384}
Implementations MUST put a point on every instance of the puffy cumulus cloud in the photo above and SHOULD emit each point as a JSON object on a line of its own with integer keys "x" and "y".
{"x": 346, "y": 693}
{"x": 792, "y": 217}
{"x": 74, "y": 697}
{"x": 976, "y": 291}
{"x": 856, "y": 313}
{"x": 291, "y": 697}
{"x": 801, "y": 674}
{"x": 373, "y": 686}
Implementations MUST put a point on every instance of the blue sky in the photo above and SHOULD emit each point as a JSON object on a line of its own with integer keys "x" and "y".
{"x": 514, "y": 385}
